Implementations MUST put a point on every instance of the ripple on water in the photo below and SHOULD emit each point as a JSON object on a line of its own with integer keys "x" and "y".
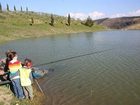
{"x": 100, "y": 79}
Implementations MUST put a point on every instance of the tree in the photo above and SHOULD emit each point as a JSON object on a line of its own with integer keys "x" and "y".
{"x": 89, "y": 22}
{"x": 21, "y": 9}
{"x": 32, "y": 20}
{"x": 69, "y": 19}
{"x": 52, "y": 20}
{"x": 8, "y": 8}
{"x": 15, "y": 8}
{"x": 0, "y": 7}
{"x": 26, "y": 9}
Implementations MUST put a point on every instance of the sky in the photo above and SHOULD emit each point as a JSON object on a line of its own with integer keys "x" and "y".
{"x": 79, "y": 9}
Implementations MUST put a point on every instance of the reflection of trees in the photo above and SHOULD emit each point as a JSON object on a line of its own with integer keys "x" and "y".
{"x": 90, "y": 40}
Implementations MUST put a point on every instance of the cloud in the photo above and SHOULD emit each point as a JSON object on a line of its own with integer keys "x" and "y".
{"x": 117, "y": 15}
{"x": 82, "y": 16}
{"x": 98, "y": 15}
{"x": 133, "y": 13}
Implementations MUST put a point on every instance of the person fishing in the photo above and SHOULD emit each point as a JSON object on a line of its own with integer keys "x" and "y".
{"x": 26, "y": 79}
{"x": 14, "y": 66}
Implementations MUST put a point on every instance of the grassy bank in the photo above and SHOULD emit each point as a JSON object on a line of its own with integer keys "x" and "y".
{"x": 17, "y": 25}
{"x": 7, "y": 97}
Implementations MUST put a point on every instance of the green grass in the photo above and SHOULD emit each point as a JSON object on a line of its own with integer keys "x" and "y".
{"x": 37, "y": 100}
{"x": 1, "y": 103}
{"x": 16, "y": 25}
{"x": 7, "y": 97}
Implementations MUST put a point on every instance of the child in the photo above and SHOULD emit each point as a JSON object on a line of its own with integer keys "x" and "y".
{"x": 3, "y": 75}
{"x": 14, "y": 66}
{"x": 1, "y": 71}
{"x": 25, "y": 78}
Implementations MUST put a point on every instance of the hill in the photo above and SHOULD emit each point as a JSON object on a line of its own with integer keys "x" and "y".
{"x": 120, "y": 23}
{"x": 17, "y": 25}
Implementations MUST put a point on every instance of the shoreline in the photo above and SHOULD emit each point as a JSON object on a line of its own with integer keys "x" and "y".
{"x": 4, "y": 39}
{"x": 7, "y": 39}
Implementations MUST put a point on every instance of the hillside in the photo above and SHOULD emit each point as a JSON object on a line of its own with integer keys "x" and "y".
{"x": 120, "y": 23}
{"x": 17, "y": 25}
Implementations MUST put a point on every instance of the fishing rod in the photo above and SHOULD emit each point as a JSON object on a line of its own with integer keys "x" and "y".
{"x": 73, "y": 57}
{"x": 39, "y": 86}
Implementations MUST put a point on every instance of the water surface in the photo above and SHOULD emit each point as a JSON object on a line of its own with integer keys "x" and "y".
{"x": 101, "y": 68}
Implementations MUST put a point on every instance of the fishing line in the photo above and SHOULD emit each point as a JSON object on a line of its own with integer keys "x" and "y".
{"x": 73, "y": 57}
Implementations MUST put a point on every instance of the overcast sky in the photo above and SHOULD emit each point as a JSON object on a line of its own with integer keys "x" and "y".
{"x": 79, "y": 8}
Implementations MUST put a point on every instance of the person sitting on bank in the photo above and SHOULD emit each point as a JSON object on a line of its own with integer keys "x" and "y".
{"x": 5, "y": 63}
{"x": 14, "y": 66}
{"x": 1, "y": 71}
{"x": 26, "y": 79}
{"x": 2, "y": 74}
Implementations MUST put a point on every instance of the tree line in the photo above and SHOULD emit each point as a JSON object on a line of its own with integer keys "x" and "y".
{"x": 14, "y": 8}
{"x": 88, "y": 22}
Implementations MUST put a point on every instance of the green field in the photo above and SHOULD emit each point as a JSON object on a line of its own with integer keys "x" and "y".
{"x": 16, "y": 25}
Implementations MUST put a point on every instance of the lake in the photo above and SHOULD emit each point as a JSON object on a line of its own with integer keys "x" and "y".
{"x": 99, "y": 68}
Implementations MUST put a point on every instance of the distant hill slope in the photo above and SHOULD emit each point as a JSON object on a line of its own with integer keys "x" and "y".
{"x": 19, "y": 25}
{"x": 120, "y": 23}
